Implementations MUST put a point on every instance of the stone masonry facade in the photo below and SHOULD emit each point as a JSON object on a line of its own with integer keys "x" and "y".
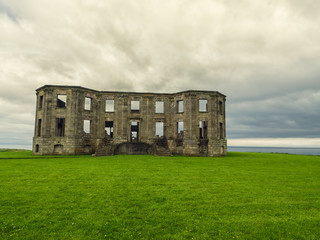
{"x": 77, "y": 120}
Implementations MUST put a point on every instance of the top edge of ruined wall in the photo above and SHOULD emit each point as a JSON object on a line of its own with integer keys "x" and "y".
{"x": 89, "y": 89}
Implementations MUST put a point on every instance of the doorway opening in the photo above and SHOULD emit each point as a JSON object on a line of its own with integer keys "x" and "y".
{"x": 134, "y": 133}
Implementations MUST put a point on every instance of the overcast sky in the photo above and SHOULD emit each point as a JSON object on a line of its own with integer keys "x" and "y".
{"x": 264, "y": 55}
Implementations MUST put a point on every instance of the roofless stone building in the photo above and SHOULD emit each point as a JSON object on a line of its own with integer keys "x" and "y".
{"x": 77, "y": 120}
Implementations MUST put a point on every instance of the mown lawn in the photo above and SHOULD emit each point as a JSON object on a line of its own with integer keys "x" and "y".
{"x": 241, "y": 196}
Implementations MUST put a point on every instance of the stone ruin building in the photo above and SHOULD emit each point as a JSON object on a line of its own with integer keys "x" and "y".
{"x": 77, "y": 120}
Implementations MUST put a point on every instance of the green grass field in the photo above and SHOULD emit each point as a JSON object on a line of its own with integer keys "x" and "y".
{"x": 241, "y": 196}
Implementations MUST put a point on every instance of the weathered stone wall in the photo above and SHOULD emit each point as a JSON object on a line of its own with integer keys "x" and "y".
{"x": 48, "y": 138}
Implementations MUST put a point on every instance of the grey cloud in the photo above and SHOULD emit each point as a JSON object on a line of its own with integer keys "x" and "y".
{"x": 5, "y": 10}
{"x": 292, "y": 115}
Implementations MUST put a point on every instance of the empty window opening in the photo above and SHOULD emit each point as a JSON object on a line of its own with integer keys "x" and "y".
{"x": 58, "y": 149}
{"x": 60, "y": 127}
{"x": 159, "y": 129}
{"x": 203, "y": 129}
{"x": 109, "y": 129}
{"x": 220, "y": 108}
{"x": 159, "y": 107}
{"x": 87, "y": 103}
{"x": 180, "y": 106}
{"x": 109, "y": 105}
{"x": 180, "y": 129}
{"x": 87, "y": 126}
{"x": 39, "y": 128}
{"x": 37, "y": 148}
{"x": 40, "y": 102}
{"x": 135, "y": 106}
{"x": 134, "y": 134}
{"x": 61, "y": 100}
{"x": 221, "y": 131}
{"x": 203, "y": 105}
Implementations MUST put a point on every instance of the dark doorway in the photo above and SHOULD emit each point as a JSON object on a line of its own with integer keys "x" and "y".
{"x": 221, "y": 131}
{"x": 134, "y": 134}
{"x": 109, "y": 129}
{"x": 60, "y": 126}
{"x": 203, "y": 129}
{"x": 39, "y": 128}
